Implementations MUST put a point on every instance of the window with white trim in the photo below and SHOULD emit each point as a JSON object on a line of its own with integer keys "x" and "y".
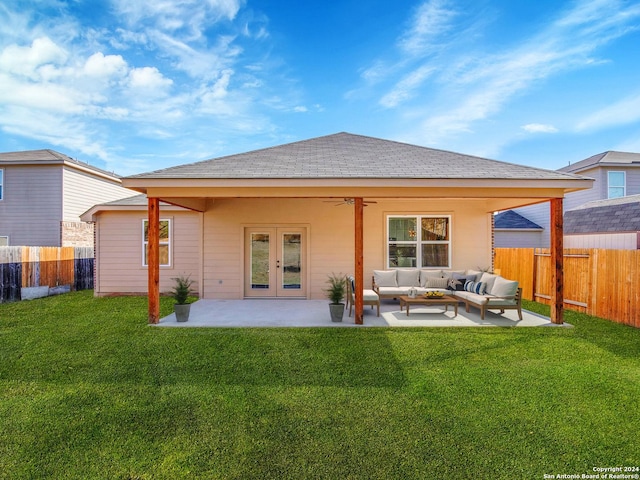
{"x": 165, "y": 242}
{"x": 4, "y": 241}
{"x": 617, "y": 184}
{"x": 1, "y": 183}
{"x": 418, "y": 241}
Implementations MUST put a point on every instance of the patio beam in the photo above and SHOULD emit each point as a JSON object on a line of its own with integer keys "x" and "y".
{"x": 359, "y": 263}
{"x": 557, "y": 261}
{"x": 153, "y": 259}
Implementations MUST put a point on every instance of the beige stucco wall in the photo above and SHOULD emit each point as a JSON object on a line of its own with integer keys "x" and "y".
{"x": 118, "y": 247}
{"x": 330, "y": 236}
{"x": 218, "y": 235}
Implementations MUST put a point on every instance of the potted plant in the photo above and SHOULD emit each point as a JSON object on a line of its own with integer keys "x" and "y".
{"x": 180, "y": 293}
{"x": 336, "y": 293}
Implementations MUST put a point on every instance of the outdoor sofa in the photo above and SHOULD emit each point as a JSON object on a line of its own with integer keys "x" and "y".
{"x": 483, "y": 290}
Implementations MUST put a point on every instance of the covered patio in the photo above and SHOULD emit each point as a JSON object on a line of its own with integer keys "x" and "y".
{"x": 315, "y": 313}
{"x": 288, "y": 196}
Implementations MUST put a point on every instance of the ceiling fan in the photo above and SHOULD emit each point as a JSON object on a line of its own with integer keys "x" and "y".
{"x": 347, "y": 201}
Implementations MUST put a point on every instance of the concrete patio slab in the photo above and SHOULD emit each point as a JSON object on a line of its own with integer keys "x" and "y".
{"x": 315, "y": 313}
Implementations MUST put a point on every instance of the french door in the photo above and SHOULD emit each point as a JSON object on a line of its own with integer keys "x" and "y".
{"x": 275, "y": 262}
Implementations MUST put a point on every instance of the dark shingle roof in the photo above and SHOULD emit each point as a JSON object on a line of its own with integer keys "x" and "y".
{"x": 344, "y": 155}
{"x": 46, "y": 156}
{"x": 600, "y": 216}
{"x": 513, "y": 220}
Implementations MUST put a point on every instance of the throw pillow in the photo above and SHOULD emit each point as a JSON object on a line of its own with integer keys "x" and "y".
{"x": 461, "y": 279}
{"x": 454, "y": 284}
{"x": 408, "y": 278}
{"x": 475, "y": 287}
{"x": 489, "y": 279}
{"x": 385, "y": 278}
{"x": 425, "y": 275}
{"x": 504, "y": 288}
{"x": 437, "y": 282}
{"x": 476, "y": 273}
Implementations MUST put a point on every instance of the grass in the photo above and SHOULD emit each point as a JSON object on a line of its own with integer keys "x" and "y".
{"x": 88, "y": 390}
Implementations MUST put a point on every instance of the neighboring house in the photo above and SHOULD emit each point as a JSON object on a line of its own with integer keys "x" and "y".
{"x": 43, "y": 193}
{"x": 612, "y": 224}
{"x": 275, "y": 222}
{"x": 510, "y": 227}
{"x": 615, "y": 174}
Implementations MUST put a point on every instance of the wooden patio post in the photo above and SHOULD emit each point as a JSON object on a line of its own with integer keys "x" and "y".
{"x": 359, "y": 263}
{"x": 153, "y": 259}
{"x": 557, "y": 261}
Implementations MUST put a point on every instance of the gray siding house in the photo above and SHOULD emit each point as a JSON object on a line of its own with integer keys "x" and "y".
{"x": 616, "y": 175}
{"x": 43, "y": 193}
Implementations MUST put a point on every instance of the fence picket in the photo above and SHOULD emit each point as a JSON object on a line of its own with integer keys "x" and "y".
{"x": 44, "y": 266}
{"x": 596, "y": 281}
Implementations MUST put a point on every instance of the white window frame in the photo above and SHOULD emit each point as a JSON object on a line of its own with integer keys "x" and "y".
{"x": 418, "y": 242}
{"x": 623, "y": 186}
{"x": 167, "y": 243}
{"x": 1, "y": 184}
{"x": 6, "y": 237}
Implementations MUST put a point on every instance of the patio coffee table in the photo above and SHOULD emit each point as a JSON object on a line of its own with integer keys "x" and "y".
{"x": 445, "y": 300}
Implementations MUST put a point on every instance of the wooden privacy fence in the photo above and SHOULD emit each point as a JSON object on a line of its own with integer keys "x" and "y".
{"x": 599, "y": 282}
{"x": 44, "y": 266}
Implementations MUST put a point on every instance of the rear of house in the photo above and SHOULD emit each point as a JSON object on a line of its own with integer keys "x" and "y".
{"x": 276, "y": 222}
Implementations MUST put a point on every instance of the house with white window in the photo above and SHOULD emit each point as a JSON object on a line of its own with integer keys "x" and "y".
{"x": 42, "y": 195}
{"x": 275, "y": 222}
{"x": 615, "y": 175}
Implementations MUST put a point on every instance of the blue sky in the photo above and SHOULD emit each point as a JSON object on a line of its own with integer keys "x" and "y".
{"x": 133, "y": 86}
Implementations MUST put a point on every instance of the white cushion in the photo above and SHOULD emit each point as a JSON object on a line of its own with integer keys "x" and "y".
{"x": 408, "y": 278}
{"x": 450, "y": 273}
{"x": 427, "y": 274}
{"x": 385, "y": 278}
{"x": 437, "y": 283}
{"x": 504, "y": 288}
{"x": 473, "y": 297}
{"x": 488, "y": 279}
{"x": 477, "y": 273}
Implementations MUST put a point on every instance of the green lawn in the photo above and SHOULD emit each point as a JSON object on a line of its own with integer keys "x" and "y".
{"x": 88, "y": 390}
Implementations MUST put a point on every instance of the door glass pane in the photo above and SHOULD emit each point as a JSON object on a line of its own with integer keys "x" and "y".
{"x": 291, "y": 260}
{"x": 259, "y": 260}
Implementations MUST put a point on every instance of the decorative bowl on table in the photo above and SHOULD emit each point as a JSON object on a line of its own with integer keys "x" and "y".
{"x": 434, "y": 295}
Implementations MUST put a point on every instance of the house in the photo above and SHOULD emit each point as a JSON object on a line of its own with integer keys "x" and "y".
{"x": 275, "y": 222}
{"x": 611, "y": 224}
{"x": 615, "y": 174}
{"x": 43, "y": 193}
{"x": 526, "y": 232}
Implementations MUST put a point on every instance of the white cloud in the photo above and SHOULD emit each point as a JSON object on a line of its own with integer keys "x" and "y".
{"x": 25, "y": 61}
{"x": 169, "y": 15}
{"x": 539, "y": 128}
{"x": 149, "y": 80}
{"x": 99, "y": 65}
{"x": 474, "y": 86}
{"x": 432, "y": 19}
{"x": 623, "y": 112}
{"x": 405, "y": 88}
